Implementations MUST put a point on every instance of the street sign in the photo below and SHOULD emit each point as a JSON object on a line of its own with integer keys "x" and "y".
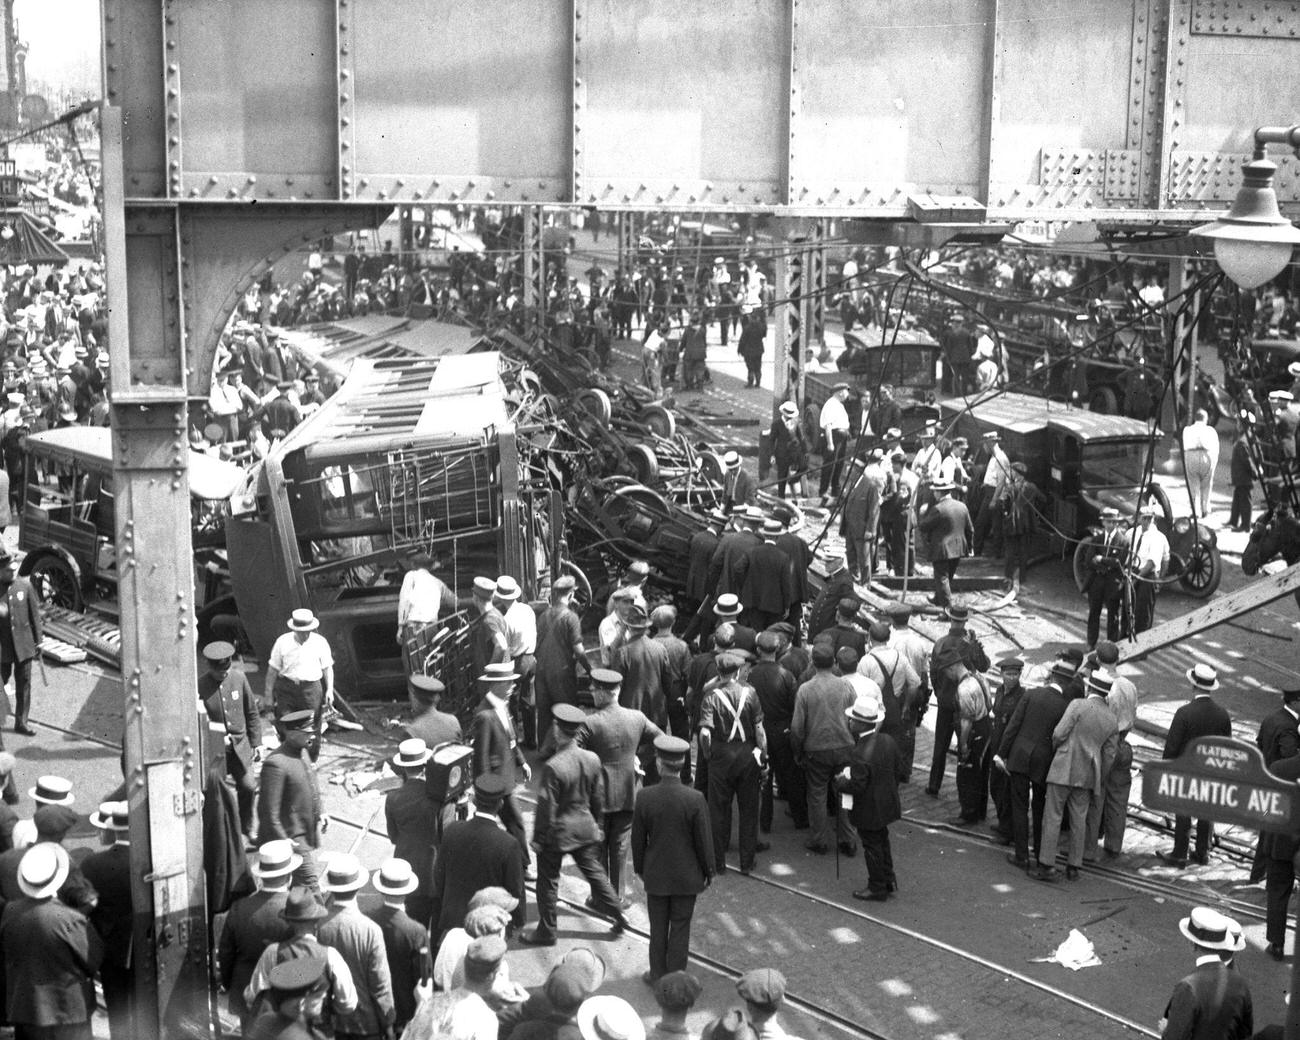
{"x": 1224, "y": 780}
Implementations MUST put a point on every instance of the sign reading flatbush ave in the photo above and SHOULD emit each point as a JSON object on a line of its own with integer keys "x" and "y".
{"x": 1224, "y": 780}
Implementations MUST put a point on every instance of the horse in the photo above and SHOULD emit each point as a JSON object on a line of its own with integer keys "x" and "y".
{"x": 1276, "y": 533}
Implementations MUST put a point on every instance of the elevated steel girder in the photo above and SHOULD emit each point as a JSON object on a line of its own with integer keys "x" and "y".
{"x": 1044, "y": 109}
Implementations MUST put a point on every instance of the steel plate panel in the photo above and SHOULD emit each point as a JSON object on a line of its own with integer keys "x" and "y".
{"x": 257, "y": 87}
{"x": 683, "y": 94}
{"x": 1065, "y": 81}
{"x": 1224, "y": 108}
{"x": 891, "y": 95}
{"x": 462, "y": 89}
{"x": 133, "y": 73}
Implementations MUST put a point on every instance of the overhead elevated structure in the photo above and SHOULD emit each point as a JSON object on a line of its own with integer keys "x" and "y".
{"x": 236, "y": 131}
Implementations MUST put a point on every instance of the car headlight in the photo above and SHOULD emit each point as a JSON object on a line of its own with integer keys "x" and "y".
{"x": 1182, "y": 525}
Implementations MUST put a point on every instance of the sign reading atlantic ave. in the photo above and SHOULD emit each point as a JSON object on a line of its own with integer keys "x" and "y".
{"x": 1224, "y": 780}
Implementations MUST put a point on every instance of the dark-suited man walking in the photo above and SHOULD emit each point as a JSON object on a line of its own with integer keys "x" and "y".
{"x": 949, "y": 533}
{"x": 289, "y": 805}
{"x": 1277, "y": 739}
{"x": 1199, "y": 717}
{"x": 497, "y": 751}
{"x": 672, "y": 853}
{"x": 21, "y": 632}
{"x": 871, "y": 781}
{"x": 1213, "y": 1002}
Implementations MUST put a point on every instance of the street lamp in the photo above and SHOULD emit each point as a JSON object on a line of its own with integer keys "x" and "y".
{"x": 1253, "y": 242}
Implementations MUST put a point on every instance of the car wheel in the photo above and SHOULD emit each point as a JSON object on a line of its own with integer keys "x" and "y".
{"x": 58, "y": 582}
{"x": 1203, "y": 571}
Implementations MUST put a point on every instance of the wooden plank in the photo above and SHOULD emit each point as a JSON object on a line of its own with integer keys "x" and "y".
{"x": 1258, "y": 593}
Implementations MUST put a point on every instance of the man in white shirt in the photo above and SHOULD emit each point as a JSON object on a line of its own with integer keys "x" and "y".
{"x": 1200, "y": 458}
{"x": 422, "y": 599}
{"x": 300, "y": 673}
{"x": 927, "y": 464}
{"x": 521, "y": 644}
{"x": 997, "y": 472}
{"x": 612, "y": 631}
{"x": 834, "y": 424}
{"x": 1149, "y": 561}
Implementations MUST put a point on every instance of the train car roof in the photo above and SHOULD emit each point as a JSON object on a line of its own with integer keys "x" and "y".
{"x": 378, "y": 337}
{"x": 905, "y": 338}
{"x": 1021, "y": 413}
{"x": 388, "y": 403}
{"x": 209, "y": 477}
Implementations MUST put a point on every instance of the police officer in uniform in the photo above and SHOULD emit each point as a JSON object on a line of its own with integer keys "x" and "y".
{"x": 415, "y": 822}
{"x": 432, "y": 726}
{"x": 1105, "y": 584}
{"x": 732, "y": 736}
{"x": 290, "y": 804}
{"x": 570, "y": 801}
{"x": 616, "y": 734}
{"x": 228, "y": 699}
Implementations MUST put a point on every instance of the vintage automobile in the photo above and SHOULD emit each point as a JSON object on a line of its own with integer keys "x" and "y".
{"x": 65, "y": 525}
{"x": 1084, "y": 462}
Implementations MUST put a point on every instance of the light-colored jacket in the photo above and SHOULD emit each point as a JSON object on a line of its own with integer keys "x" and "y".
{"x": 1086, "y": 741}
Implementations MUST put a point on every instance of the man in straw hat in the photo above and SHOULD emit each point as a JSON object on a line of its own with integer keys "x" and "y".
{"x": 1201, "y": 716}
{"x": 361, "y": 943}
{"x": 1106, "y": 553}
{"x": 605, "y": 1017}
{"x": 109, "y": 871}
{"x": 673, "y": 854}
{"x": 570, "y": 802}
{"x": 1149, "y": 562}
{"x": 415, "y": 821}
{"x": 520, "y": 623}
{"x": 51, "y": 952}
{"x": 303, "y": 913}
{"x": 300, "y": 671}
{"x": 1214, "y": 1000}
{"x": 948, "y": 530}
{"x": 255, "y": 921}
{"x": 1086, "y": 740}
{"x": 406, "y": 940}
{"x": 496, "y": 747}
{"x": 868, "y": 790}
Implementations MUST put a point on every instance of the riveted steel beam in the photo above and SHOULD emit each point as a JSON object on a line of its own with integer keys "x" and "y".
{"x": 993, "y": 66}
{"x": 578, "y": 183}
{"x": 346, "y": 68}
{"x": 1173, "y": 109}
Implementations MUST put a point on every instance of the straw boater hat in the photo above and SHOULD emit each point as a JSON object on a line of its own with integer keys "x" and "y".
{"x": 727, "y": 606}
{"x": 344, "y": 874}
{"x": 111, "y": 816}
{"x": 499, "y": 672}
{"x": 411, "y": 754}
{"x": 43, "y": 870}
{"x": 1203, "y": 678}
{"x": 51, "y": 790}
{"x": 275, "y": 859}
{"x": 507, "y": 588}
{"x": 303, "y": 620}
{"x": 605, "y": 1017}
{"x": 865, "y": 710}
{"x": 1208, "y": 928}
{"x": 395, "y": 878}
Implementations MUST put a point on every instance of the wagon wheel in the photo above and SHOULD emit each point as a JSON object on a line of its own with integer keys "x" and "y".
{"x": 594, "y": 402}
{"x": 1203, "y": 572}
{"x": 58, "y": 582}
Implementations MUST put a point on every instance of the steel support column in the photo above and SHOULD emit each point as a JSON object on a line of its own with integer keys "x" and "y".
{"x": 164, "y": 769}
{"x": 534, "y": 269}
{"x": 814, "y": 287}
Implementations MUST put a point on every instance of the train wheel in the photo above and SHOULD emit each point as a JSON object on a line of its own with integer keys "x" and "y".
{"x": 659, "y": 421}
{"x": 711, "y": 466}
{"x": 1203, "y": 572}
{"x": 58, "y": 582}
{"x": 595, "y": 402}
{"x": 644, "y": 463}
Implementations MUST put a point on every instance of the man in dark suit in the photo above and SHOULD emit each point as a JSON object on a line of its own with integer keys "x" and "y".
{"x": 254, "y": 922}
{"x": 767, "y": 581}
{"x": 799, "y": 554}
{"x": 646, "y": 674}
{"x": 1199, "y": 717}
{"x": 862, "y": 517}
{"x": 51, "y": 952}
{"x": 228, "y": 699}
{"x": 1025, "y": 753}
{"x": 724, "y": 568}
{"x": 949, "y": 532}
{"x": 280, "y": 414}
{"x": 871, "y": 781}
{"x": 406, "y": 941}
{"x": 1213, "y": 1002}
{"x": 432, "y": 726}
{"x": 21, "y": 632}
{"x": 497, "y": 751}
{"x": 837, "y": 587}
{"x": 415, "y": 821}
{"x": 1105, "y": 584}
{"x": 109, "y": 871}
{"x": 476, "y": 853}
{"x": 1008, "y": 695}
{"x": 738, "y": 486}
{"x": 570, "y": 801}
{"x": 1277, "y": 849}
{"x": 672, "y": 853}
{"x": 289, "y": 805}
{"x": 703, "y": 544}
{"x": 616, "y": 734}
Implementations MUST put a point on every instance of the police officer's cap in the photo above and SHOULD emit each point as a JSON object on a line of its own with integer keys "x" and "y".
{"x": 219, "y": 651}
{"x": 426, "y": 685}
{"x": 606, "y": 677}
{"x": 669, "y": 747}
{"x": 298, "y": 719}
{"x": 1012, "y": 664}
{"x": 898, "y": 612}
{"x": 291, "y": 977}
{"x": 489, "y": 787}
{"x": 568, "y": 715}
